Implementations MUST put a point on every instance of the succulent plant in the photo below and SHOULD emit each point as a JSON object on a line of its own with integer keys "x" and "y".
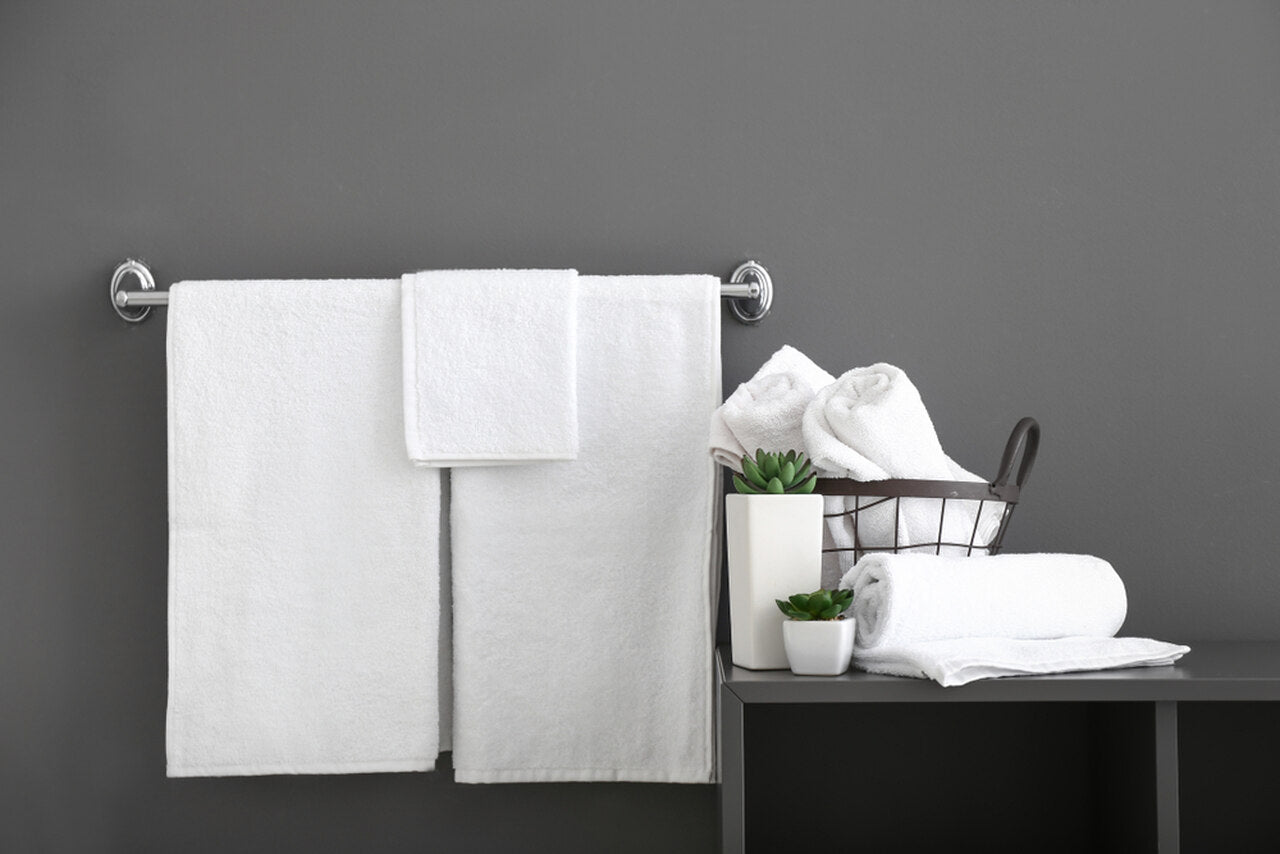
{"x": 775, "y": 474}
{"x": 818, "y": 605}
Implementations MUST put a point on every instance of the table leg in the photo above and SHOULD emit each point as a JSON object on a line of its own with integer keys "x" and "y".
{"x": 1167, "y": 777}
{"x": 733, "y": 837}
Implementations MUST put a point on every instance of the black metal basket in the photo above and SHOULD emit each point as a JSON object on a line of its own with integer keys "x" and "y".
{"x": 884, "y": 497}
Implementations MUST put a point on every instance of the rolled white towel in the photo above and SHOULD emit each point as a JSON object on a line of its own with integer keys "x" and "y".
{"x": 906, "y": 599}
{"x": 872, "y": 425}
{"x": 767, "y": 410}
{"x": 765, "y": 413}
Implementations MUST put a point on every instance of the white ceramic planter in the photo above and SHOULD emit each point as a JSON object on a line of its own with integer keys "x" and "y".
{"x": 819, "y": 647}
{"x": 775, "y": 550}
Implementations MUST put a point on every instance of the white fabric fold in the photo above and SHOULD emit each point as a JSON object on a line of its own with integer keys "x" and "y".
{"x": 583, "y": 590}
{"x": 490, "y": 366}
{"x": 303, "y": 556}
{"x": 964, "y": 660}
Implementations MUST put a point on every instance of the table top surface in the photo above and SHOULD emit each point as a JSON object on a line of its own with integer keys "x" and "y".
{"x": 1212, "y": 671}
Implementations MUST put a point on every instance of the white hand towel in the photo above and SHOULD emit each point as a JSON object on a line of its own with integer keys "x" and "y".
{"x": 872, "y": 425}
{"x": 907, "y": 598}
{"x": 767, "y": 410}
{"x": 303, "y": 563}
{"x": 583, "y": 590}
{"x": 490, "y": 374}
{"x": 960, "y": 661}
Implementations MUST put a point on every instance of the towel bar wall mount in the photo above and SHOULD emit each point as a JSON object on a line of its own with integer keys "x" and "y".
{"x": 749, "y": 291}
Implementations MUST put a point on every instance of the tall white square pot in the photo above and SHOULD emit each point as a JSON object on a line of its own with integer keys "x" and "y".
{"x": 775, "y": 550}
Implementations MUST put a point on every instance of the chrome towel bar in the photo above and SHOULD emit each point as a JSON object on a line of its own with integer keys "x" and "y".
{"x": 749, "y": 291}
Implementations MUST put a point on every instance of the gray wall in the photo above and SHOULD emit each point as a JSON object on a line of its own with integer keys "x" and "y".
{"x": 1062, "y": 209}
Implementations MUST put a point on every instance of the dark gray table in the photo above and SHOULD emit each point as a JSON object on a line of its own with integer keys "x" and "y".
{"x": 1143, "y": 731}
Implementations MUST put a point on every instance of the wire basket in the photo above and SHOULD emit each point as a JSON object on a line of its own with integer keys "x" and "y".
{"x": 899, "y": 515}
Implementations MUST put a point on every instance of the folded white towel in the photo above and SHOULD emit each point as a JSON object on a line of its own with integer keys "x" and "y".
{"x": 583, "y": 590}
{"x": 872, "y": 425}
{"x": 907, "y": 598}
{"x": 303, "y": 562}
{"x": 767, "y": 410}
{"x": 960, "y": 661}
{"x": 490, "y": 374}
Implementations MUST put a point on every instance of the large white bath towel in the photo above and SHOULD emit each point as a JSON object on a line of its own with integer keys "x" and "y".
{"x": 490, "y": 374}
{"x": 583, "y": 590}
{"x": 303, "y": 565}
{"x": 906, "y": 598}
{"x": 767, "y": 410}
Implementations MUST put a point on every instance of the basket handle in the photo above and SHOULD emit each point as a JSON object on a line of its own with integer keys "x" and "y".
{"x": 1028, "y": 430}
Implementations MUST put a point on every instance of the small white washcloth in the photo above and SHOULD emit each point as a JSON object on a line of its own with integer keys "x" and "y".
{"x": 956, "y": 619}
{"x": 490, "y": 366}
{"x": 583, "y": 591}
{"x": 958, "y": 662}
{"x": 303, "y": 544}
{"x": 766, "y": 411}
{"x": 870, "y": 425}
{"x": 906, "y": 598}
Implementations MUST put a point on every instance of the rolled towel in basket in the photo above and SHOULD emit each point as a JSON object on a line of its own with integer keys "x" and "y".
{"x": 872, "y": 425}
{"x": 766, "y": 411}
{"x": 908, "y": 598}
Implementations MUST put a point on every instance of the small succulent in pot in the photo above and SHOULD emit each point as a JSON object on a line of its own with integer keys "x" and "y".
{"x": 818, "y": 605}
{"x": 775, "y": 474}
{"x": 818, "y": 636}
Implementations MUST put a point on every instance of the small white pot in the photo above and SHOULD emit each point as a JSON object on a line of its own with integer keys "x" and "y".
{"x": 819, "y": 647}
{"x": 775, "y": 550}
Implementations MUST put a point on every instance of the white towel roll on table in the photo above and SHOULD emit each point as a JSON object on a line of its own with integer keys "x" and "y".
{"x": 909, "y": 598}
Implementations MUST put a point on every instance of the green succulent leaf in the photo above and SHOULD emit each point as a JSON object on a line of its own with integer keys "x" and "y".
{"x": 819, "y": 601}
{"x": 806, "y": 487}
{"x": 802, "y": 469}
{"x": 775, "y": 486}
{"x": 744, "y": 487}
{"x": 830, "y": 613}
{"x": 752, "y": 473}
{"x": 800, "y": 601}
{"x": 770, "y": 467}
{"x": 787, "y": 474}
